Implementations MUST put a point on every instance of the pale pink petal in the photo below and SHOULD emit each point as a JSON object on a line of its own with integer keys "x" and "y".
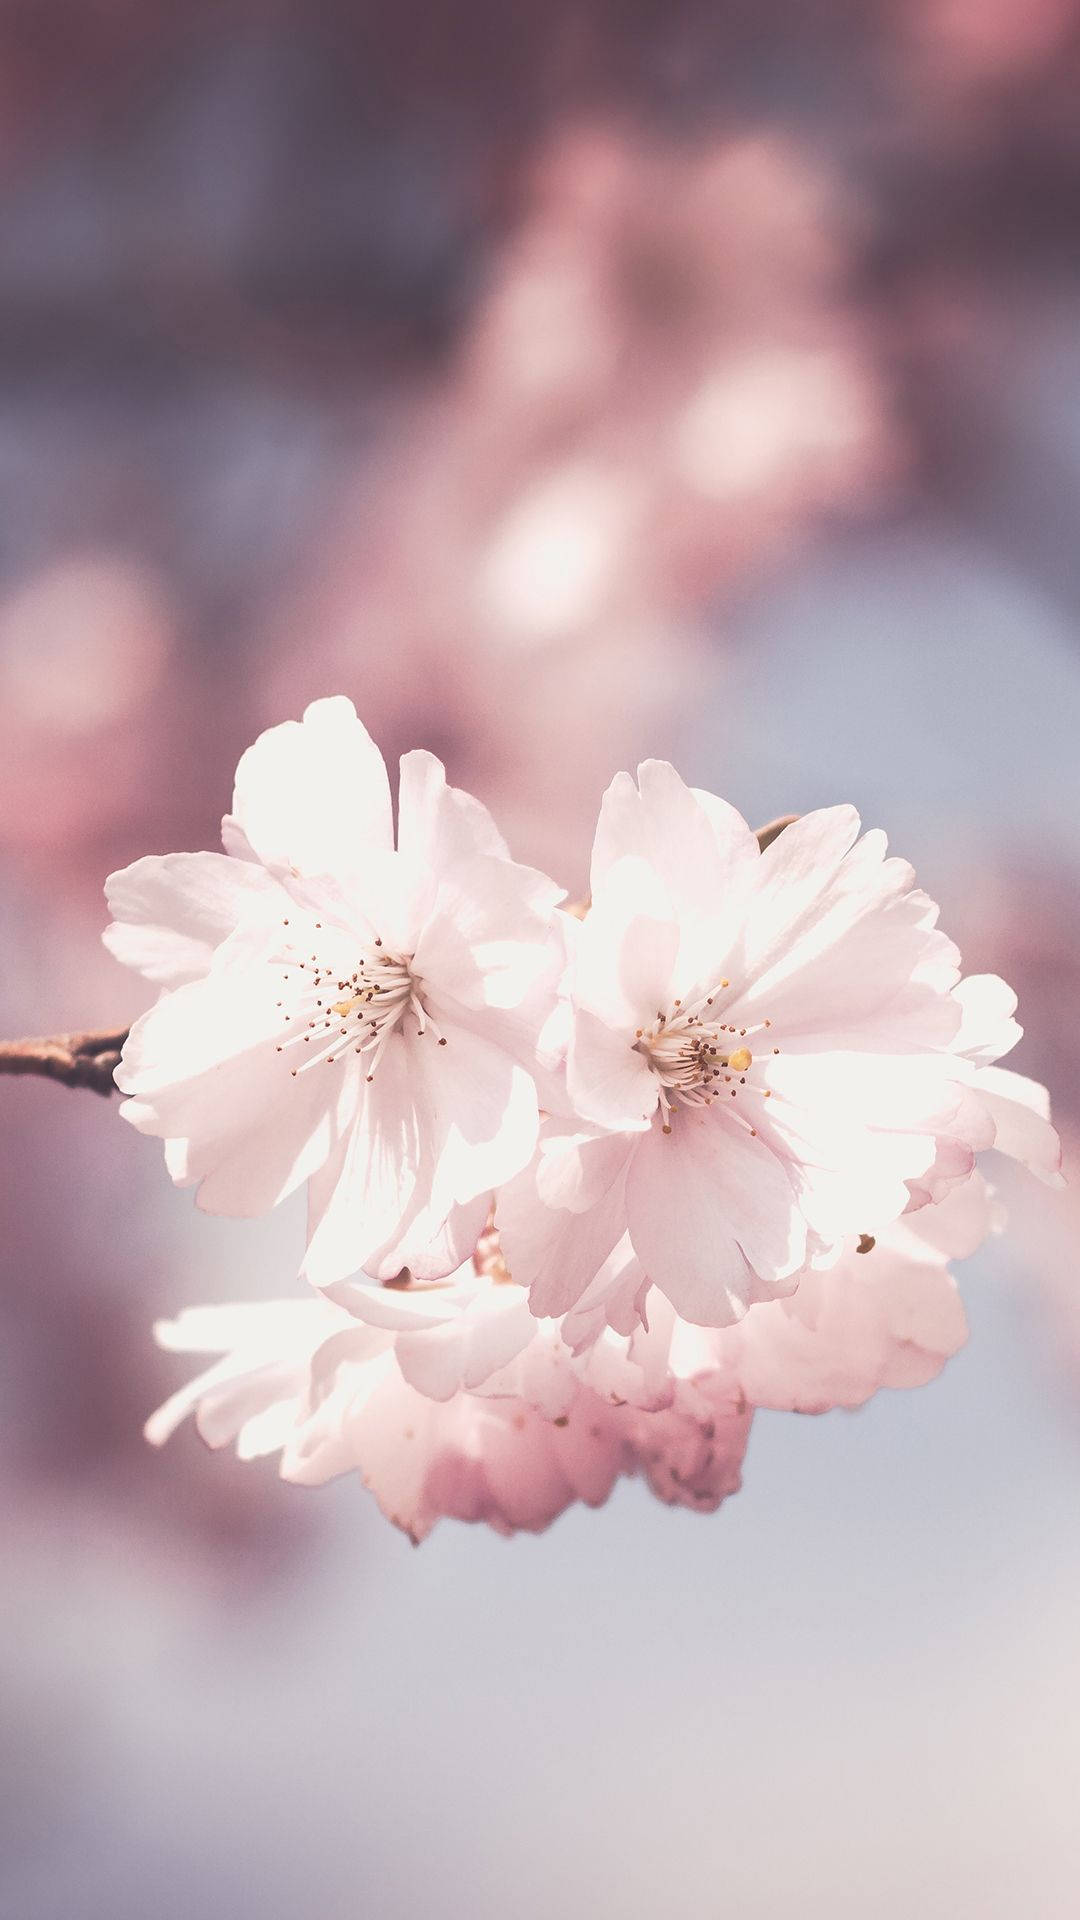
{"x": 204, "y": 1072}
{"x": 487, "y": 942}
{"x": 480, "y": 1107}
{"x": 560, "y": 1219}
{"x": 954, "y": 1227}
{"x": 692, "y": 1461}
{"x": 359, "y": 1199}
{"x": 685, "y": 1241}
{"x": 171, "y": 911}
{"x": 540, "y": 1375}
{"x": 889, "y": 1317}
{"x": 313, "y": 795}
{"x": 953, "y": 1162}
{"x": 697, "y": 846}
{"x": 478, "y": 1460}
{"x": 439, "y": 824}
{"x": 614, "y": 1298}
{"x": 389, "y": 901}
{"x": 437, "y": 1126}
{"x": 987, "y": 1029}
{"x": 463, "y": 1353}
{"x": 1020, "y": 1111}
{"x": 712, "y": 1217}
{"x": 626, "y": 949}
{"x": 856, "y": 1129}
{"x": 429, "y": 1245}
{"x": 608, "y": 1081}
{"x": 848, "y": 943}
{"x": 265, "y": 1346}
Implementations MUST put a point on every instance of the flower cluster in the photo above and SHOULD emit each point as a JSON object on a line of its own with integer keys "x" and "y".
{"x": 583, "y": 1191}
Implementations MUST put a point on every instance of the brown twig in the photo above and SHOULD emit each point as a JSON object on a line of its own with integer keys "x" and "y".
{"x": 75, "y": 1059}
{"x": 90, "y": 1059}
{"x": 766, "y": 835}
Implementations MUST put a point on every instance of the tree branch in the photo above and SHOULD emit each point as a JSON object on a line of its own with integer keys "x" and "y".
{"x": 90, "y": 1059}
{"x": 75, "y": 1059}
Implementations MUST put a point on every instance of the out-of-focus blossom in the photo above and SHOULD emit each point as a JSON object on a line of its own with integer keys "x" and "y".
{"x": 453, "y": 1400}
{"x": 339, "y": 1011}
{"x": 764, "y": 1041}
{"x": 980, "y": 43}
{"x": 303, "y": 1378}
{"x": 85, "y": 646}
{"x": 658, "y": 391}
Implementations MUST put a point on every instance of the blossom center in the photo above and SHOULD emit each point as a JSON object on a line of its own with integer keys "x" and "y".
{"x": 348, "y": 1001}
{"x": 697, "y": 1056}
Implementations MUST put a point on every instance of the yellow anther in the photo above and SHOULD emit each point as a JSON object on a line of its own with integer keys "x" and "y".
{"x": 740, "y": 1059}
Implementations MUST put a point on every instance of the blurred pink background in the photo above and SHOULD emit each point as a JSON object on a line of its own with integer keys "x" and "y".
{"x": 566, "y": 384}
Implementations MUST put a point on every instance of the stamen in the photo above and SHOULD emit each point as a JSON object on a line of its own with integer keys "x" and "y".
{"x": 376, "y": 993}
{"x": 689, "y": 1053}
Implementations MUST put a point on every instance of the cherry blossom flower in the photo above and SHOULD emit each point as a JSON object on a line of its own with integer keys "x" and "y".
{"x": 887, "y": 1313}
{"x": 763, "y": 1056}
{"x": 453, "y": 1399}
{"x": 302, "y": 1378}
{"x": 332, "y": 1394}
{"x": 340, "y": 1011}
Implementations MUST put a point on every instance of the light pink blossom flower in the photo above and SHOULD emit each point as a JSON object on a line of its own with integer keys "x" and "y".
{"x": 332, "y": 1395}
{"x": 302, "y": 1378}
{"x": 761, "y": 1056}
{"x": 453, "y": 1399}
{"x": 887, "y": 1313}
{"x": 338, "y": 1011}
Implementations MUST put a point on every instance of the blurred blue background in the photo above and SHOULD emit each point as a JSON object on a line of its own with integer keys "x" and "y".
{"x": 565, "y": 384}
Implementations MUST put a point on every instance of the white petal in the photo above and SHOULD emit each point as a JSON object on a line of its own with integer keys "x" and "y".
{"x": 557, "y": 1250}
{"x": 886, "y": 1318}
{"x": 480, "y": 1107}
{"x": 626, "y": 950}
{"x": 429, "y": 1245}
{"x": 265, "y": 1345}
{"x": 439, "y": 824}
{"x": 698, "y": 846}
{"x": 839, "y": 940}
{"x": 205, "y": 1074}
{"x": 1020, "y": 1110}
{"x": 359, "y": 1198}
{"x": 438, "y": 1126}
{"x": 313, "y": 795}
{"x": 171, "y": 911}
{"x": 399, "y": 1309}
{"x": 712, "y": 1217}
{"x": 487, "y": 942}
{"x": 462, "y": 1354}
{"x": 609, "y": 1082}
{"x": 987, "y": 1029}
